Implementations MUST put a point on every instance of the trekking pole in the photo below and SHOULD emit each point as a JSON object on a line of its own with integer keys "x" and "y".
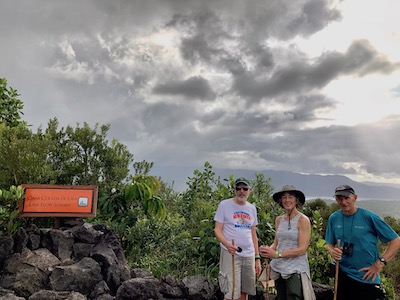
{"x": 233, "y": 272}
{"x": 336, "y": 273}
{"x": 266, "y": 278}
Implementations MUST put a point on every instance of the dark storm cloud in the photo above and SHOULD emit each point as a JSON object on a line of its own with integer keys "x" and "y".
{"x": 368, "y": 146}
{"x": 216, "y": 37}
{"x": 194, "y": 87}
{"x": 378, "y": 157}
{"x": 314, "y": 16}
{"x": 364, "y": 59}
{"x": 157, "y": 116}
{"x": 360, "y": 59}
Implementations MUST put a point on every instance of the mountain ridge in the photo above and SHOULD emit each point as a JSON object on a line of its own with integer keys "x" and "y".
{"x": 312, "y": 185}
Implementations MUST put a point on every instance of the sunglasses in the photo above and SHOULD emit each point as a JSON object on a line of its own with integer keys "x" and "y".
{"x": 244, "y": 188}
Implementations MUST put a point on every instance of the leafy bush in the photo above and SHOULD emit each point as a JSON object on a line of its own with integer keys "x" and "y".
{"x": 318, "y": 256}
{"x": 162, "y": 247}
{"x": 9, "y": 219}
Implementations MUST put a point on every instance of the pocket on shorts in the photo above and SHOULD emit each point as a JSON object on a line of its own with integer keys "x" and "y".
{"x": 223, "y": 282}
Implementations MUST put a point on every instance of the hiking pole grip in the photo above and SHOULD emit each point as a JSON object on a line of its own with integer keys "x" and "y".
{"x": 336, "y": 273}
{"x": 233, "y": 272}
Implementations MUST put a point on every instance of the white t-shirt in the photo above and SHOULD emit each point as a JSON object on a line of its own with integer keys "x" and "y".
{"x": 237, "y": 221}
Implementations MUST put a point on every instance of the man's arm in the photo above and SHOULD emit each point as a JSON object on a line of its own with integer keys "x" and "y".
{"x": 256, "y": 249}
{"x": 220, "y": 237}
{"x": 392, "y": 249}
{"x": 218, "y": 234}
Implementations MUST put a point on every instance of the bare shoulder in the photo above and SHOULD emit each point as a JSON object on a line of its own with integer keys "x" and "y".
{"x": 304, "y": 219}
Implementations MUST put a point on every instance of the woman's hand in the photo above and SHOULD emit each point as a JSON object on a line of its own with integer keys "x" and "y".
{"x": 266, "y": 251}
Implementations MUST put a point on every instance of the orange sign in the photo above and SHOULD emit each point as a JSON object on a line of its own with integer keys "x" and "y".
{"x": 59, "y": 201}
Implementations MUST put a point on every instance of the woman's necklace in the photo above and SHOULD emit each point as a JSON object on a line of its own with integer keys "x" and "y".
{"x": 289, "y": 218}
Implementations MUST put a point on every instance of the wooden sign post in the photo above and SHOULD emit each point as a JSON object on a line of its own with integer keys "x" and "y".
{"x": 42, "y": 200}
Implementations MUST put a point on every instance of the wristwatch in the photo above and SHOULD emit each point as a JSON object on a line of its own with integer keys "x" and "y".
{"x": 383, "y": 260}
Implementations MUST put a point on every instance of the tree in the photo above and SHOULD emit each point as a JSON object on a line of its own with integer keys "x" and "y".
{"x": 23, "y": 157}
{"x": 10, "y": 106}
{"x": 267, "y": 209}
{"x": 142, "y": 167}
{"x": 83, "y": 156}
{"x": 70, "y": 156}
{"x": 318, "y": 205}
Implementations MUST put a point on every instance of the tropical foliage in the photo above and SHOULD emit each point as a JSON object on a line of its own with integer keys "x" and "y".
{"x": 10, "y": 106}
{"x": 9, "y": 219}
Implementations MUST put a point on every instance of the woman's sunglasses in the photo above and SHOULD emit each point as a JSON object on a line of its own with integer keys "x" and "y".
{"x": 244, "y": 188}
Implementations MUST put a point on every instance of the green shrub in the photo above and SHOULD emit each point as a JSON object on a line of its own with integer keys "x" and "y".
{"x": 9, "y": 214}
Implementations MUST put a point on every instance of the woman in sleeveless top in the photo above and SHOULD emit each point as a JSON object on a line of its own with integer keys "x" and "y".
{"x": 289, "y": 266}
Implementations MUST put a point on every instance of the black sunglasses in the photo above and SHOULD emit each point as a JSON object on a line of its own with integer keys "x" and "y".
{"x": 244, "y": 188}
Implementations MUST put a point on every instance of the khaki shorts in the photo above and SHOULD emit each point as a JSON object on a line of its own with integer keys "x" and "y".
{"x": 245, "y": 275}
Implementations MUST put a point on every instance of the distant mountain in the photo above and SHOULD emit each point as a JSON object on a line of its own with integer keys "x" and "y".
{"x": 313, "y": 186}
{"x": 322, "y": 186}
{"x": 396, "y": 185}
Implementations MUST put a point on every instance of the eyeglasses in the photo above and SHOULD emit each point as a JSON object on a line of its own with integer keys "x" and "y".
{"x": 244, "y": 188}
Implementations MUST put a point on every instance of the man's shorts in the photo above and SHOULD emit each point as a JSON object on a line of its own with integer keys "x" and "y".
{"x": 245, "y": 275}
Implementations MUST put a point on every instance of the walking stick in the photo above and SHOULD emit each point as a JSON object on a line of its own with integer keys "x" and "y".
{"x": 233, "y": 272}
{"x": 266, "y": 278}
{"x": 336, "y": 273}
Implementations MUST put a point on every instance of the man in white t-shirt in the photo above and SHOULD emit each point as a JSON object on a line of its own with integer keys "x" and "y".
{"x": 235, "y": 228}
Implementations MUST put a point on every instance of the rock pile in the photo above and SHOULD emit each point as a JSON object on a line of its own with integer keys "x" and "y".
{"x": 81, "y": 261}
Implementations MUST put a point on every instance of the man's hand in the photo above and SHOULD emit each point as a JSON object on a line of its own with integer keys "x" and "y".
{"x": 232, "y": 248}
{"x": 336, "y": 253}
{"x": 372, "y": 271}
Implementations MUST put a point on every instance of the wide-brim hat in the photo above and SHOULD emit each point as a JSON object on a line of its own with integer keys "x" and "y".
{"x": 289, "y": 189}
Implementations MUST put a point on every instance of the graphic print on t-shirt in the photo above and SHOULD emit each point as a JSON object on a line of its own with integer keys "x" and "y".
{"x": 242, "y": 219}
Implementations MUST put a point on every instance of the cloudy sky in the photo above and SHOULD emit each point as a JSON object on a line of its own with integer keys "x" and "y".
{"x": 308, "y": 86}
